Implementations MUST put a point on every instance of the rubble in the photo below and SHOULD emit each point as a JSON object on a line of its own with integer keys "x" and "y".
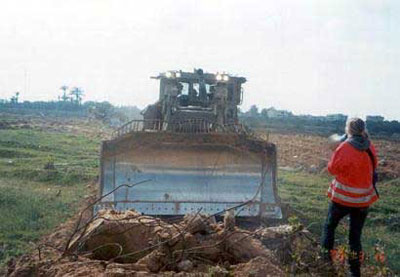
{"x": 130, "y": 244}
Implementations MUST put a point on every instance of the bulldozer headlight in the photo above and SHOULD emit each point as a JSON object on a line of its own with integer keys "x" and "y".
{"x": 222, "y": 77}
{"x": 168, "y": 74}
{"x": 177, "y": 74}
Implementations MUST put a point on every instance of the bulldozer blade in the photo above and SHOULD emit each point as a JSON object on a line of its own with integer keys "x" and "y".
{"x": 176, "y": 174}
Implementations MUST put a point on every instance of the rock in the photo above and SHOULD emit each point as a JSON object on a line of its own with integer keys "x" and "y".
{"x": 185, "y": 265}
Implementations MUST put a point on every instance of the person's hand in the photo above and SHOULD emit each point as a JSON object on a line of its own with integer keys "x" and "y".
{"x": 334, "y": 141}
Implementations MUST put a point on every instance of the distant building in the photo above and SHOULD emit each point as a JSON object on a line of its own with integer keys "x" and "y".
{"x": 274, "y": 113}
{"x": 336, "y": 117}
{"x": 375, "y": 118}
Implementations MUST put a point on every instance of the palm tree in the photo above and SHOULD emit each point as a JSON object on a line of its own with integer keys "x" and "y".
{"x": 64, "y": 97}
{"x": 14, "y": 99}
{"x": 77, "y": 93}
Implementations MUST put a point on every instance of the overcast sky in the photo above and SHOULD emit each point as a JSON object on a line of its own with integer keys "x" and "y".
{"x": 314, "y": 57}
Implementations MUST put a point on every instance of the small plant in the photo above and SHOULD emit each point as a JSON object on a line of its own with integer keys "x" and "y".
{"x": 49, "y": 164}
{"x": 375, "y": 265}
{"x": 294, "y": 221}
{"x": 381, "y": 268}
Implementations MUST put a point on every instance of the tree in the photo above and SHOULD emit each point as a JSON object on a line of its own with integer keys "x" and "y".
{"x": 253, "y": 111}
{"x": 77, "y": 93}
{"x": 14, "y": 99}
{"x": 264, "y": 113}
{"x": 64, "y": 97}
{"x": 101, "y": 110}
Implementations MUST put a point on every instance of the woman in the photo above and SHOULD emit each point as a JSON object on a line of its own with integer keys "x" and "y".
{"x": 352, "y": 191}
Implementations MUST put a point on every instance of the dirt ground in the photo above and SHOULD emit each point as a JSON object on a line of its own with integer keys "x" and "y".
{"x": 88, "y": 127}
{"x": 311, "y": 153}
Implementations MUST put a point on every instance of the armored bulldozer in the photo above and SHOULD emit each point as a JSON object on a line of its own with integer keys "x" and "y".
{"x": 189, "y": 153}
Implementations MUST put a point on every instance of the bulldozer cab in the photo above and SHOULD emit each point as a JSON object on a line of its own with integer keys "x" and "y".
{"x": 191, "y": 96}
{"x": 190, "y": 154}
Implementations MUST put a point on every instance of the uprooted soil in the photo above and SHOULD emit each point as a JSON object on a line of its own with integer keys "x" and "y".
{"x": 130, "y": 244}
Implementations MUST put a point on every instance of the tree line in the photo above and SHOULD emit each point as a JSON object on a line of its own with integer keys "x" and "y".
{"x": 322, "y": 125}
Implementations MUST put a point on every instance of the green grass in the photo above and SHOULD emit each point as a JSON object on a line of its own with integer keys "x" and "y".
{"x": 29, "y": 210}
{"x": 24, "y": 154}
{"x": 35, "y": 198}
{"x": 306, "y": 193}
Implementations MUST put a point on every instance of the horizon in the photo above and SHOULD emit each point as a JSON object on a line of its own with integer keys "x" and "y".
{"x": 240, "y": 110}
{"x": 309, "y": 58}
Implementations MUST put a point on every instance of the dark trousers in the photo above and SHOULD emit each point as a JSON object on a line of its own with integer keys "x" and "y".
{"x": 357, "y": 218}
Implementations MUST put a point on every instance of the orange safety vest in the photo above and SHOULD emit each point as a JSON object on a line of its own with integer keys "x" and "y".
{"x": 352, "y": 169}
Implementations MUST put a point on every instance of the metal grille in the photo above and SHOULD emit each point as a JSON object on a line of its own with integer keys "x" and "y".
{"x": 196, "y": 126}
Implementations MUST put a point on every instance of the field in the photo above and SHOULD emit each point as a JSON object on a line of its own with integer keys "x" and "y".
{"x": 49, "y": 166}
{"x": 45, "y": 168}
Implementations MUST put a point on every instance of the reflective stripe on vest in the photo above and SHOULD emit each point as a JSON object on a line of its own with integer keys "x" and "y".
{"x": 350, "y": 195}
{"x": 354, "y": 190}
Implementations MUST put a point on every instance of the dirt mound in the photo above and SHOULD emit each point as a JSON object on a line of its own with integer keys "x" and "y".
{"x": 128, "y": 237}
{"x": 114, "y": 234}
{"x": 130, "y": 244}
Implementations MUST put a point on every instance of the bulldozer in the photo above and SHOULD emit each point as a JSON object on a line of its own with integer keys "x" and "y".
{"x": 189, "y": 153}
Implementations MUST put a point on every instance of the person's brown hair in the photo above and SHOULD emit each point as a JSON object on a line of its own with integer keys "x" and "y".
{"x": 355, "y": 127}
